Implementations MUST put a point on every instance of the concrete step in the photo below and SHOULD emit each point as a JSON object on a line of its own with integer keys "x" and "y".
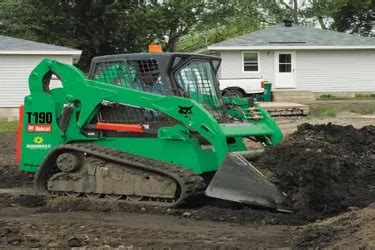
{"x": 295, "y": 96}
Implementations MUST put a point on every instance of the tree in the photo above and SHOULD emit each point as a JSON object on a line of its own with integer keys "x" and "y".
{"x": 356, "y": 16}
{"x": 167, "y": 21}
{"x": 97, "y": 27}
{"x": 222, "y": 20}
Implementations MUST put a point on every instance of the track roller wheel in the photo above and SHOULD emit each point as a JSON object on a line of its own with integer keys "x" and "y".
{"x": 92, "y": 196}
{"x": 134, "y": 198}
{"x": 54, "y": 194}
{"x": 113, "y": 197}
{"x": 72, "y": 194}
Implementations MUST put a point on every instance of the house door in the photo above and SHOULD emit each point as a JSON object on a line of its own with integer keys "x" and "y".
{"x": 285, "y": 69}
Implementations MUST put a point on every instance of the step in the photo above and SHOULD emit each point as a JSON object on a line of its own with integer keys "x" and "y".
{"x": 285, "y": 108}
{"x": 294, "y": 96}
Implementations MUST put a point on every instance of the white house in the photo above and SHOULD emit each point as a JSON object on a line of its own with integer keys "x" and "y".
{"x": 17, "y": 59}
{"x": 294, "y": 57}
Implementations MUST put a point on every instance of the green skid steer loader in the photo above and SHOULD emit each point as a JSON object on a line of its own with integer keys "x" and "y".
{"x": 143, "y": 128}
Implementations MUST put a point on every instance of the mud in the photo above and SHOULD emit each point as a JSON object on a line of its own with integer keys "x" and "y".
{"x": 7, "y": 148}
{"x": 10, "y": 176}
{"x": 352, "y": 229}
{"x": 324, "y": 169}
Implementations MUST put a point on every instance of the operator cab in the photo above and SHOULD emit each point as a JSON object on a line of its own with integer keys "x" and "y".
{"x": 185, "y": 75}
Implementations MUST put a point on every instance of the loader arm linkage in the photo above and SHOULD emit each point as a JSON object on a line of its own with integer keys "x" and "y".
{"x": 90, "y": 94}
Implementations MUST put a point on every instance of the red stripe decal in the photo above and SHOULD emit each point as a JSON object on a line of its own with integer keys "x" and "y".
{"x": 121, "y": 127}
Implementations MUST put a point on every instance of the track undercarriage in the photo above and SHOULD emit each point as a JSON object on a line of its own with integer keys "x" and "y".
{"x": 97, "y": 172}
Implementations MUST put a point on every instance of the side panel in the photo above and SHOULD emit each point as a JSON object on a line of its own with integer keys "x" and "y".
{"x": 40, "y": 132}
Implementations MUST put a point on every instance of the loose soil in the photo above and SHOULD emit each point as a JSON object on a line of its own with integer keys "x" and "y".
{"x": 10, "y": 176}
{"x": 326, "y": 170}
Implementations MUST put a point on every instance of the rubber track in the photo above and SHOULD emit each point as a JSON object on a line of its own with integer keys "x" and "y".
{"x": 191, "y": 184}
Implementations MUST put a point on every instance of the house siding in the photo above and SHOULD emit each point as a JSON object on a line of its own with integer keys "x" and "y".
{"x": 336, "y": 71}
{"x": 316, "y": 70}
{"x": 232, "y": 65}
{"x": 14, "y": 73}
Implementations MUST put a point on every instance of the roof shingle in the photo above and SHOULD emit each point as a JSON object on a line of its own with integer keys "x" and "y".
{"x": 297, "y": 35}
{"x": 14, "y": 44}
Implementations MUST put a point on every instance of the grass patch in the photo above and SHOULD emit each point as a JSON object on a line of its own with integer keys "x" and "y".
{"x": 326, "y": 110}
{"x": 8, "y": 126}
{"x": 330, "y": 97}
{"x": 365, "y": 97}
{"x": 332, "y": 109}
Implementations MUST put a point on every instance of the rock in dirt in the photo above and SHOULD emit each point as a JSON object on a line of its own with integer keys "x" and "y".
{"x": 336, "y": 173}
{"x": 78, "y": 240}
{"x": 186, "y": 214}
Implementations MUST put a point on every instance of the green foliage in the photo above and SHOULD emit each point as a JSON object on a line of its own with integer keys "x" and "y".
{"x": 103, "y": 27}
{"x": 96, "y": 27}
{"x": 330, "y": 97}
{"x": 326, "y": 111}
{"x": 358, "y": 96}
{"x": 223, "y": 20}
{"x": 327, "y": 96}
{"x": 364, "y": 96}
{"x": 332, "y": 109}
{"x": 356, "y": 16}
{"x": 201, "y": 39}
{"x": 8, "y": 126}
{"x": 100, "y": 27}
{"x": 169, "y": 20}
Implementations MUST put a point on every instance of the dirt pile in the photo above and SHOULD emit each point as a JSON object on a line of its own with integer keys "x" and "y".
{"x": 325, "y": 169}
{"x": 353, "y": 229}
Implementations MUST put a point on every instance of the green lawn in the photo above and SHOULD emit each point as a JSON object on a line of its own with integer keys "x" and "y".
{"x": 330, "y": 97}
{"x": 8, "y": 126}
{"x": 328, "y": 109}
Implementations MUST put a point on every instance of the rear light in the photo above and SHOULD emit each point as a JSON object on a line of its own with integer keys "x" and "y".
{"x": 155, "y": 48}
{"x": 262, "y": 84}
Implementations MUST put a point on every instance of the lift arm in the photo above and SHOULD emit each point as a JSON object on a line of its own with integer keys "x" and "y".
{"x": 89, "y": 94}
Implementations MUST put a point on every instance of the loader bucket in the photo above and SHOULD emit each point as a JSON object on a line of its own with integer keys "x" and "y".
{"x": 237, "y": 180}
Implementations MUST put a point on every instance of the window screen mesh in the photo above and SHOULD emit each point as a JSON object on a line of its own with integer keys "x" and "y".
{"x": 143, "y": 75}
{"x": 199, "y": 82}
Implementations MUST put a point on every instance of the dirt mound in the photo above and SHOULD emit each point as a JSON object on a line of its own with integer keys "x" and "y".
{"x": 324, "y": 169}
{"x": 353, "y": 229}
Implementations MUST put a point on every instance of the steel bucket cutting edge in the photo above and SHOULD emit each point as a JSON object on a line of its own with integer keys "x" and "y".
{"x": 237, "y": 180}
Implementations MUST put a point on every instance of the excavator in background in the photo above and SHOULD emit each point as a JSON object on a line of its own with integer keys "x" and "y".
{"x": 147, "y": 128}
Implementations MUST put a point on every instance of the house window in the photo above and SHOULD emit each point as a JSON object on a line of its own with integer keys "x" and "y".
{"x": 250, "y": 62}
{"x": 285, "y": 63}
